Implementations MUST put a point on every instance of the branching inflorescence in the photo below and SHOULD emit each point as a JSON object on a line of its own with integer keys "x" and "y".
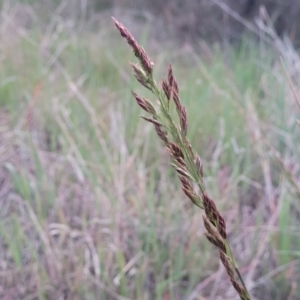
{"x": 185, "y": 160}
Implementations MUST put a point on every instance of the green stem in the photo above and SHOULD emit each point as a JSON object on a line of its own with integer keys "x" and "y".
{"x": 236, "y": 268}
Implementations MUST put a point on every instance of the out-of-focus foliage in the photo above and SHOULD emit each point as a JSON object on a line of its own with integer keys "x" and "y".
{"x": 206, "y": 19}
{"x": 186, "y": 20}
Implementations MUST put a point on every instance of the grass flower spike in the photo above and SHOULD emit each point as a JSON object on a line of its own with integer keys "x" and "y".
{"x": 186, "y": 162}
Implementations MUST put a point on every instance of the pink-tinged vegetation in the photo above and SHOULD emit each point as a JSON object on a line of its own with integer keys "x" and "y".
{"x": 184, "y": 159}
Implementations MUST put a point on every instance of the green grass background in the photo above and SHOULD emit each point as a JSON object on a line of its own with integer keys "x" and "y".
{"x": 94, "y": 211}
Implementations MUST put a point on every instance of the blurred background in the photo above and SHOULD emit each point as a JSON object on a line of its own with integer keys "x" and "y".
{"x": 90, "y": 207}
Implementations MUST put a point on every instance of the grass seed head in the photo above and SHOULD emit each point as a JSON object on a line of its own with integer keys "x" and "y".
{"x": 159, "y": 129}
{"x": 186, "y": 162}
{"x": 199, "y": 166}
{"x": 139, "y": 52}
{"x": 172, "y": 80}
{"x": 161, "y": 133}
{"x": 166, "y": 88}
{"x": 189, "y": 191}
{"x": 214, "y": 234}
{"x": 190, "y": 148}
{"x": 210, "y": 208}
{"x": 175, "y": 151}
{"x": 176, "y": 100}
{"x": 221, "y": 225}
{"x": 140, "y": 75}
{"x": 145, "y": 104}
{"x": 228, "y": 266}
{"x": 218, "y": 243}
{"x": 183, "y": 120}
{"x": 182, "y": 172}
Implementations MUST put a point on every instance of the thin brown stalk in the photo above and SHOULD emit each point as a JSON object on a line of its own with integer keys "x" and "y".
{"x": 185, "y": 160}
